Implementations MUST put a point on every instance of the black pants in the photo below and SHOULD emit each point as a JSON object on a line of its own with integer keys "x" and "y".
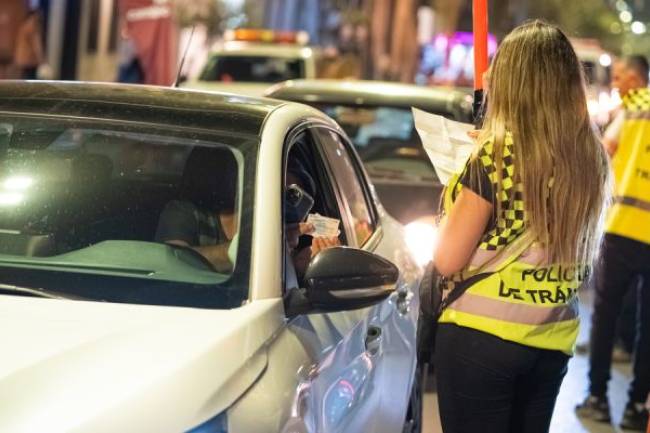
{"x": 626, "y": 326}
{"x": 622, "y": 261}
{"x": 489, "y": 385}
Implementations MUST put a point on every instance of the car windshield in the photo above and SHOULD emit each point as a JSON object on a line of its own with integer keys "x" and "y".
{"x": 254, "y": 69}
{"x": 386, "y": 139}
{"x": 101, "y": 211}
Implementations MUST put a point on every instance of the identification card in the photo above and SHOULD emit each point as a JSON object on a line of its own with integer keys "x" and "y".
{"x": 324, "y": 227}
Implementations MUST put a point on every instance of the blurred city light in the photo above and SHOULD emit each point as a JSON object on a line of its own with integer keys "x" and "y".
{"x": 625, "y": 16}
{"x": 616, "y": 27}
{"x": 421, "y": 239}
{"x": 109, "y": 47}
{"x": 593, "y": 107}
{"x": 600, "y": 108}
{"x": 18, "y": 183}
{"x": 626, "y": 48}
{"x": 10, "y": 198}
{"x": 605, "y": 60}
{"x": 638, "y": 28}
{"x": 235, "y": 4}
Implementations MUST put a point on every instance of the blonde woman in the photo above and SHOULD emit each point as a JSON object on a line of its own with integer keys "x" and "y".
{"x": 522, "y": 226}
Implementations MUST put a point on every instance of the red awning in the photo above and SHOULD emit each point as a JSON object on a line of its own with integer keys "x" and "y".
{"x": 151, "y": 27}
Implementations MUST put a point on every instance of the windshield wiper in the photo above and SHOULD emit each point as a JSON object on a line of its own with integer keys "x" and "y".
{"x": 28, "y": 291}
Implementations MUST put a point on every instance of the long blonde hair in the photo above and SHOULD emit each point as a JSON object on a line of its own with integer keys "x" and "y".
{"x": 537, "y": 93}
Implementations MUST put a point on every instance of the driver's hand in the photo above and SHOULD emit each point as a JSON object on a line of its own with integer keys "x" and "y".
{"x": 306, "y": 228}
{"x": 294, "y": 231}
{"x": 319, "y": 244}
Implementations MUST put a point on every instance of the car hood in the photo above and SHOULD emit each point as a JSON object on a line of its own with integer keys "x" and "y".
{"x": 246, "y": 89}
{"x": 78, "y": 366}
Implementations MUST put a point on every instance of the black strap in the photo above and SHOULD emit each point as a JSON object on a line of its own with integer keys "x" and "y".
{"x": 458, "y": 291}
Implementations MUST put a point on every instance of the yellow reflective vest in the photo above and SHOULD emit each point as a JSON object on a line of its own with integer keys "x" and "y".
{"x": 515, "y": 294}
{"x": 630, "y": 213}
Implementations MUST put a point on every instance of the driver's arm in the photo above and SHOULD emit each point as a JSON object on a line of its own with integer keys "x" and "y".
{"x": 178, "y": 226}
{"x": 217, "y": 255}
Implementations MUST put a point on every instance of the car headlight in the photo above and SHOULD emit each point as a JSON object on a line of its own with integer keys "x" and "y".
{"x": 217, "y": 424}
{"x": 421, "y": 239}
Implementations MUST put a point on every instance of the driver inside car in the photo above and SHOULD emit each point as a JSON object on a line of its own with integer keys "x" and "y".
{"x": 299, "y": 202}
{"x": 204, "y": 217}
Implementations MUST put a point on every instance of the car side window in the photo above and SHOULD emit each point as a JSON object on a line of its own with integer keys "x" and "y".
{"x": 305, "y": 168}
{"x": 346, "y": 175}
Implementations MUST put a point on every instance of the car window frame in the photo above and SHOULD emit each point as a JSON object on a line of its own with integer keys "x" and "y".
{"x": 362, "y": 177}
{"x": 330, "y": 186}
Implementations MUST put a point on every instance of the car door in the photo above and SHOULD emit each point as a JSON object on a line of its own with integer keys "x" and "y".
{"x": 338, "y": 393}
{"x": 366, "y": 357}
{"x": 395, "y": 319}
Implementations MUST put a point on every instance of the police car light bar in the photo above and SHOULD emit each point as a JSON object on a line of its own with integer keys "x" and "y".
{"x": 267, "y": 36}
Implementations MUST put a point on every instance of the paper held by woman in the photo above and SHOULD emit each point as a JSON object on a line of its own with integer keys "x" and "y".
{"x": 445, "y": 141}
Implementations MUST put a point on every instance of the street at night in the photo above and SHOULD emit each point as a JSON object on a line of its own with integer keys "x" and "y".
{"x": 324, "y": 216}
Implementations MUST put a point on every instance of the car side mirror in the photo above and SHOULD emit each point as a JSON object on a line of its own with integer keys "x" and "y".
{"x": 343, "y": 278}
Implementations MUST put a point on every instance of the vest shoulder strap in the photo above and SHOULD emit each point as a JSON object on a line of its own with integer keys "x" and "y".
{"x": 504, "y": 257}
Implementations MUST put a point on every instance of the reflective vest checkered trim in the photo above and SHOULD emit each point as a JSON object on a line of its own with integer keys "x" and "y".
{"x": 514, "y": 293}
{"x": 630, "y": 214}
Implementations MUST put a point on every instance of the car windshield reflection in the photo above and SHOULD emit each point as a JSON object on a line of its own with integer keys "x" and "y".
{"x": 126, "y": 207}
{"x": 253, "y": 69}
{"x": 386, "y": 140}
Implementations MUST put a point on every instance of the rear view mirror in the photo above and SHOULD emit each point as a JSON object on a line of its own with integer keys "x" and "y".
{"x": 344, "y": 278}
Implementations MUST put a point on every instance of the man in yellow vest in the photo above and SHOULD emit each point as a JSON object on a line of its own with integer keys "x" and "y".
{"x": 625, "y": 255}
{"x": 623, "y": 77}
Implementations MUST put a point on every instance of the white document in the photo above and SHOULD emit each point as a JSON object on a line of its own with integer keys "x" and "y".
{"x": 445, "y": 141}
{"x": 324, "y": 227}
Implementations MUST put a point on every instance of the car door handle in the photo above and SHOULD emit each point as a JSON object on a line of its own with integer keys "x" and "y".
{"x": 373, "y": 340}
{"x": 403, "y": 301}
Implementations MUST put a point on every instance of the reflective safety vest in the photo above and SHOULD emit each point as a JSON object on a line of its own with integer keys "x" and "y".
{"x": 630, "y": 213}
{"x": 515, "y": 295}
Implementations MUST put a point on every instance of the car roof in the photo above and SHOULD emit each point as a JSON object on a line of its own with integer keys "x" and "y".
{"x": 181, "y": 108}
{"x": 371, "y": 93}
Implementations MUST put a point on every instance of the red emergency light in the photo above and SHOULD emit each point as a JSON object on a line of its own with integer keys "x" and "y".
{"x": 267, "y": 36}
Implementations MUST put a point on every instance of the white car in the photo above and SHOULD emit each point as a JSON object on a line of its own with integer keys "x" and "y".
{"x": 250, "y": 60}
{"x": 150, "y": 278}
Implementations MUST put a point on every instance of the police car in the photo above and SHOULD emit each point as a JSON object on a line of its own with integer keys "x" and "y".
{"x": 117, "y": 316}
{"x": 248, "y": 61}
